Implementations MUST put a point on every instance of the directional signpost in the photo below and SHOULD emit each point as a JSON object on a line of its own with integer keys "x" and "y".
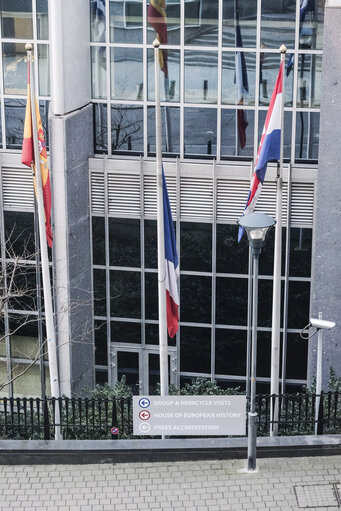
{"x": 189, "y": 415}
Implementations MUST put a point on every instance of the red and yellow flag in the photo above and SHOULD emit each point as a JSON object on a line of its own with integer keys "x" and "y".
{"x": 158, "y": 20}
{"x": 27, "y": 158}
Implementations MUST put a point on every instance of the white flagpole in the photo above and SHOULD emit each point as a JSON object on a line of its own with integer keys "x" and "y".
{"x": 276, "y": 301}
{"x": 50, "y": 330}
{"x": 160, "y": 234}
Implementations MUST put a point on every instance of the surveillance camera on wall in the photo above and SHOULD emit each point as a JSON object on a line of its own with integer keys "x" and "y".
{"x": 321, "y": 324}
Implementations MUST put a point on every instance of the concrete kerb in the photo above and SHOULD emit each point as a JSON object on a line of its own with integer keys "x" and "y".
{"x": 37, "y": 452}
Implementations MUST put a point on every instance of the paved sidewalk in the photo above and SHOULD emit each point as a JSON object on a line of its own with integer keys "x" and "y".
{"x": 281, "y": 484}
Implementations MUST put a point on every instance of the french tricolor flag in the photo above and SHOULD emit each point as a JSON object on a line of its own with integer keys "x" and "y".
{"x": 269, "y": 147}
{"x": 172, "y": 266}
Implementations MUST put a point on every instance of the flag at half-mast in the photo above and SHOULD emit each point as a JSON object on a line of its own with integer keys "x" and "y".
{"x": 27, "y": 157}
{"x": 241, "y": 84}
{"x": 158, "y": 20}
{"x": 172, "y": 265}
{"x": 269, "y": 147}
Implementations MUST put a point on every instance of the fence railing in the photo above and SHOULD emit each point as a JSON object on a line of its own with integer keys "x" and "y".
{"x": 103, "y": 418}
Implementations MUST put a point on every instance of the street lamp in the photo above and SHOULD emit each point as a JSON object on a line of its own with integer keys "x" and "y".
{"x": 256, "y": 226}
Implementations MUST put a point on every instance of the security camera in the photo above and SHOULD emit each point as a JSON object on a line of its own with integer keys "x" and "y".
{"x": 321, "y": 324}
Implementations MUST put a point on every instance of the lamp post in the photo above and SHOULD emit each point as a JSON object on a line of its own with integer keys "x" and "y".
{"x": 256, "y": 226}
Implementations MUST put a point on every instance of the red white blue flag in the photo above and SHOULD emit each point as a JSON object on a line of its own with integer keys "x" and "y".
{"x": 269, "y": 147}
{"x": 172, "y": 265}
{"x": 241, "y": 82}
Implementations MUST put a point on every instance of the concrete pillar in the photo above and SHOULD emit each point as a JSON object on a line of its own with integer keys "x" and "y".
{"x": 71, "y": 144}
{"x": 326, "y": 274}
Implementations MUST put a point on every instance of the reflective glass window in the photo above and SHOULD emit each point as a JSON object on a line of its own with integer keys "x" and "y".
{"x": 239, "y": 16}
{"x": 237, "y": 131}
{"x": 309, "y": 80}
{"x": 150, "y": 244}
{"x": 266, "y": 261}
{"x": 196, "y": 246}
{"x": 263, "y": 355}
{"x": 127, "y": 128}
{"x": 122, "y": 331}
{"x": 14, "y": 116}
{"x": 42, "y": 19}
{"x": 200, "y": 131}
{"x": 125, "y": 294}
{"x": 232, "y": 257}
{"x": 152, "y": 335}
{"x": 101, "y": 377}
{"x": 265, "y": 302}
{"x": 297, "y": 355}
{"x": 29, "y": 383}
{"x": 126, "y": 73}
{"x": 170, "y": 84}
{"x": 44, "y": 71}
{"x": 268, "y": 72}
{"x": 298, "y": 306}
{"x": 101, "y": 128}
{"x": 24, "y": 341}
{"x": 195, "y": 349}
{"x": 14, "y": 68}
{"x": 230, "y": 352}
{"x": 100, "y": 292}
{"x": 44, "y": 116}
{"x": 19, "y": 234}
{"x": 238, "y": 78}
{"x": 172, "y": 11}
{"x": 201, "y": 22}
{"x": 97, "y": 21}
{"x": 128, "y": 366}
{"x": 300, "y": 252}
{"x": 287, "y": 132}
{"x": 16, "y": 19}
{"x": 307, "y": 135}
{"x": 311, "y": 25}
{"x": 24, "y": 287}
{"x": 98, "y": 240}
{"x": 170, "y": 131}
{"x": 231, "y": 301}
{"x": 195, "y": 298}
{"x": 278, "y": 23}
{"x": 126, "y": 21}
{"x": 124, "y": 242}
{"x": 201, "y": 76}
{"x": 101, "y": 346}
{"x": 151, "y": 295}
{"x": 98, "y": 72}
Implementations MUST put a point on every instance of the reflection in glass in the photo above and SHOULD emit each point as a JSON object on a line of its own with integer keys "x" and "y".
{"x": 44, "y": 71}
{"x": 300, "y": 252}
{"x": 232, "y": 257}
{"x": 150, "y": 244}
{"x": 44, "y": 116}
{"x": 126, "y": 20}
{"x": 170, "y": 131}
{"x": 173, "y": 23}
{"x": 98, "y": 72}
{"x": 287, "y": 131}
{"x": 263, "y": 355}
{"x": 101, "y": 377}
{"x": 14, "y": 68}
{"x": 126, "y": 73}
{"x": 298, "y": 308}
{"x": 297, "y": 355}
{"x": 29, "y": 383}
{"x": 170, "y": 84}
{"x": 122, "y": 331}
{"x": 101, "y": 128}
{"x": 15, "y": 116}
{"x": 19, "y": 233}
{"x": 42, "y": 19}
{"x": 230, "y": 91}
{"x": 98, "y": 240}
{"x": 230, "y": 352}
{"x": 195, "y": 350}
{"x": 200, "y": 131}
{"x": 266, "y": 262}
{"x": 309, "y": 80}
{"x": 307, "y": 135}
{"x": 124, "y": 250}
{"x": 99, "y": 292}
{"x": 311, "y": 25}
{"x": 196, "y": 246}
{"x": 24, "y": 342}
{"x": 269, "y": 67}
{"x": 247, "y": 22}
{"x": 125, "y": 294}
{"x": 151, "y": 295}
{"x": 237, "y": 129}
{"x": 127, "y": 128}
{"x": 278, "y": 24}
{"x": 24, "y": 280}
{"x": 231, "y": 301}
{"x": 128, "y": 366}
{"x": 16, "y": 19}
{"x": 201, "y": 76}
{"x": 195, "y": 298}
{"x": 101, "y": 345}
{"x": 97, "y": 21}
{"x": 152, "y": 335}
{"x": 201, "y": 22}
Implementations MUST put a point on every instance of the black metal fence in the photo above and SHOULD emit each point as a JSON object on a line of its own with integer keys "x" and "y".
{"x": 84, "y": 418}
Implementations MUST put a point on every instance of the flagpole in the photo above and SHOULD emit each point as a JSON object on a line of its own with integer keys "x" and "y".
{"x": 276, "y": 301}
{"x": 160, "y": 234}
{"x": 50, "y": 330}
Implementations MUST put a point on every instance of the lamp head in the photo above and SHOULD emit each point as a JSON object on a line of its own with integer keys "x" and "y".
{"x": 256, "y": 226}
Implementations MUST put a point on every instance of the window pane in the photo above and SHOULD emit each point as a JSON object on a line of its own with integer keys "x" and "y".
{"x": 269, "y": 68}
{"x": 309, "y": 80}
{"x": 231, "y": 304}
{"x": 307, "y": 135}
{"x": 127, "y": 128}
{"x": 28, "y": 384}
{"x": 128, "y": 366}
{"x": 230, "y": 352}
{"x": 99, "y": 72}
{"x": 16, "y": 19}
{"x": 195, "y": 298}
{"x": 264, "y": 303}
{"x": 126, "y": 20}
{"x": 195, "y": 349}
{"x": 101, "y": 128}
{"x": 150, "y": 244}
{"x": 42, "y": 19}
{"x": 170, "y": 131}
{"x": 201, "y": 23}
{"x": 122, "y": 331}
{"x": 97, "y": 21}
{"x": 101, "y": 345}
{"x": 169, "y": 85}
{"x": 311, "y": 23}
{"x": 298, "y": 307}
{"x": 98, "y": 240}
{"x": 44, "y": 116}
{"x": 14, "y": 68}
{"x": 151, "y": 296}
{"x": 24, "y": 341}
{"x": 247, "y": 14}
{"x": 44, "y": 70}
{"x": 125, "y": 294}
{"x": 238, "y": 88}
{"x": 24, "y": 287}
{"x": 297, "y": 355}
{"x": 278, "y": 23}
{"x": 300, "y": 252}
{"x": 173, "y": 23}
{"x": 101, "y": 377}
{"x": 200, "y": 131}
{"x": 263, "y": 355}
{"x": 126, "y": 73}
{"x": 237, "y": 132}
{"x": 14, "y": 118}
{"x": 266, "y": 260}
{"x": 124, "y": 249}
{"x": 100, "y": 292}
{"x": 287, "y": 131}
{"x": 152, "y": 335}
{"x": 19, "y": 234}
{"x": 201, "y": 76}
{"x": 196, "y": 246}
{"x": 232, "y": 257}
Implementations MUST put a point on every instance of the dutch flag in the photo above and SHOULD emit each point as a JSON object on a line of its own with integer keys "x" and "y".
{"x": 172, "y": 265}
{"x": 269, "y": 147}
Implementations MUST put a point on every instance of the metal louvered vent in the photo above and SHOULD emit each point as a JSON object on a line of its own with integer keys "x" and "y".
{"x": 302, "y": 204}
{"x": 267, "y": 200}
{"x": 97, "y": 193}
{"x": 196, "y": 198}
{"x": 124, "y": 194}
{"x": 231, "y": 199}
{"x": 18, "y": 192}
{"x": 150, "y": 199}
